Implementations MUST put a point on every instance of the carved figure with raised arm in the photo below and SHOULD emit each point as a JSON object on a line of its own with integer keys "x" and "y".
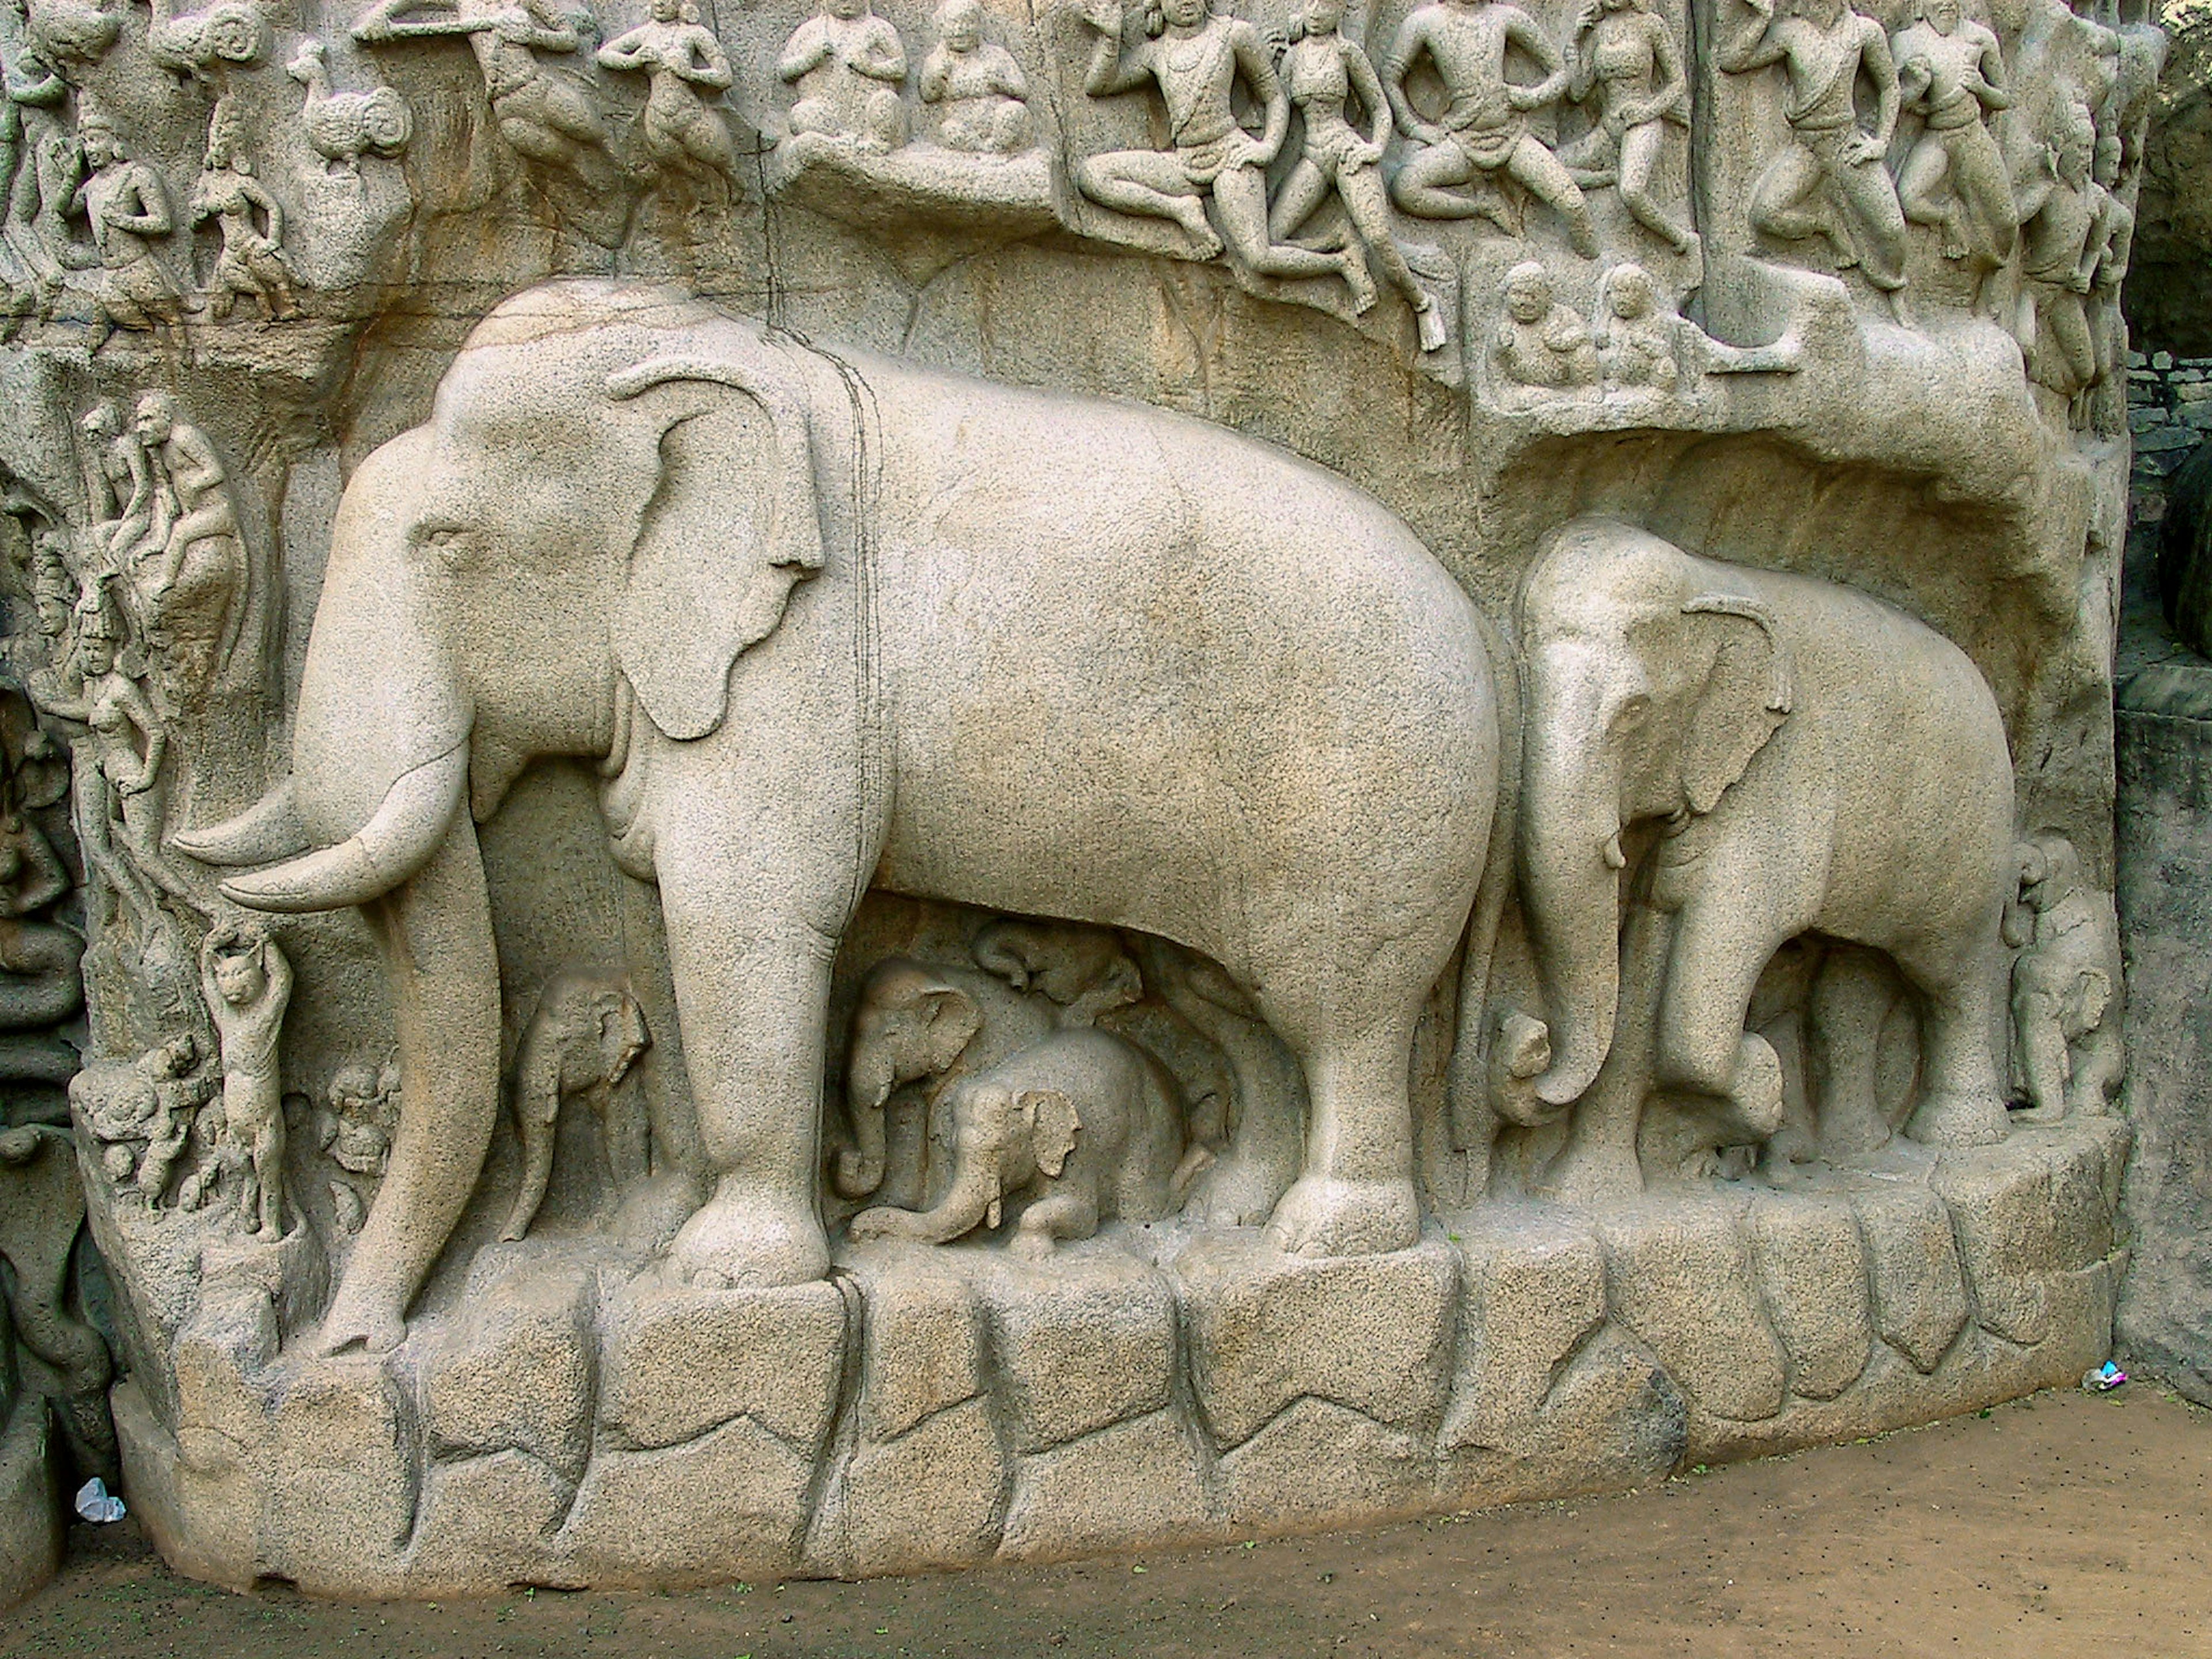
{"x": 1829, "y": 180}
{"x": 2068, "y": 991}
{"x": 344, "y": 126}
{"x": 39, "y": 161}
{"x": 120, "y": 485}
{"x": 979, "y": 91}
{"x": 252, "y": 259}
{"x": 1482, "y": 136}
{"x": 1811, "y": 761}
{"x": 1624, "y": 59}
{"x": 1197, "y": 58}
{"x": 662, "y": 491}
{"x": 684, "y": 65}
{"x": 846, "y": 65}
{"x": 1324, "y": 72}
{"x": 248, "y": 986}
{"x": 127, "y": 207}
{"x": 584, "y": 1036}
{"x": 1078, "y": 1128}
{"x": 1951, "y": 71}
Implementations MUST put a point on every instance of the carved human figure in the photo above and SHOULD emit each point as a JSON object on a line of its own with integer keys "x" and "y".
{"x": 978, "y": 90}
{"x": 248, "y": 985}
{"x": 2061, "y": 207}
{"x": 2067, "y": 988}
{"x": 1635, "y": 332}
{"x": 190, "y": 584}
{"x": 54, "y": 593}
{"x": 1541, "y": 344}
{"x": 846, "y": 65}
{"x": 355, "y": 1130}
{"x": 1624, "y": 58}
{"x": 2114, "y": 243}
{"x": 37, "y": 163}
{"x": 1951, "y": 71}
{"x": 127, "y": 206}
{"x": 344, "y": 126}
{"x": 252, "y": 259}
{"x": 683, "y": 64}
{"x": 585, "y": 1034}
{"x": 1197, "y": 60}
{"x": 1323, "y": 71}
{"x": 40, "y": 981}
{"x": 544, "y": 118}
{"x": 1829, "y": 180}
{"x": 1073, "y": 1129}
{"x": 1483, "y": 136}
{"x": 121, "y": 486}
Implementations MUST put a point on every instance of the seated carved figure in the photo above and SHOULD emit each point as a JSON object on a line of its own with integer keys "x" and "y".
{"x": 1636, "y": 331}
{"x": 980, "y": 93}
{"x": 1541, "y": 344}
{"x": 847, "y": 65}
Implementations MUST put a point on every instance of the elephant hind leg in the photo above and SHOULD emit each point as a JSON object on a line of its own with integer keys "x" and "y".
{"x": 1962, "y": 1095}
{"x": 1851, "y": 1000}
{"x": 1356, "y": 1196}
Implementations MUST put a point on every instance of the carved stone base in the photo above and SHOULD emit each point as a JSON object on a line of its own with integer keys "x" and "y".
{"x": 30, "y": 1501}
{"x": 597, "y": 1425}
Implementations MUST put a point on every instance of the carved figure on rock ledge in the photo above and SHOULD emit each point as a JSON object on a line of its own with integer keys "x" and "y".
{"x": 39, "y": 163}
{"x": 1625, "y": 55}
{"x": 1197, "y": 59}
{"x": 847, "y": 65}
{"x": 119, "y": 484}
{"x": 1541, "y": 345}
{"x": 1075, "y": 1129}
{"x": 979, "y": 91}
{"x": 40, "y": 981}
{"x": 191, "y": 583}
{"x": 248, "y": 986}
{"x": 1322, "y": 71}
{"x": 180, "y": 1092}
{"x": 1814, "y": 761}
{"x": 684, "y": 64}
{"x": 1636, "y": 331}
{"x": 750, "y": 783}
{"x": 253, "y": 258}
{"x": 344, "y": 126}
{"x": 1482, "y": 137}
{"x": 1831, "y": 180}
{"x": 126, "y": 206}
{"x": 2067, "y": 988}
{"x": 1951, "y": 70}
{"x": 581, "y": 1042}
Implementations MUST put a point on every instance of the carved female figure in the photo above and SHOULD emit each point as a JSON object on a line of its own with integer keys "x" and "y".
{"x": 248, "y": 984}
{"x": 1624, "y": 55}
{"x": 1322, "y": 71}
{"x": 847, "y": 65}
{"x": 1197, "y": 59}
{"x": 253, "y": 258}
{"x": 680, "y": 57}
{"x": 980, "y": 91}
{"x": 1950, "y": 70}
{"x": 1831, "y": 161}
{"x": 126, "y": 206}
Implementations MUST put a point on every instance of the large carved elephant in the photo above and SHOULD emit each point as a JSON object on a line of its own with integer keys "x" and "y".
{"x": 1814, "y": 761}
{"x": 831, "y": 619}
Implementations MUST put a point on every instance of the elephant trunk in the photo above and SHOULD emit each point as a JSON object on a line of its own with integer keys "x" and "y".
{"x": 869, "y": 1081}
{"x": 1570, "y": 861}
{"x": 972, "y": 1199}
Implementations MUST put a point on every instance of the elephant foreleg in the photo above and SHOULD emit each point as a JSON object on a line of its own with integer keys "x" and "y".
{"x": 1051, "y": 1219}
{"x": 1722, "y": 945}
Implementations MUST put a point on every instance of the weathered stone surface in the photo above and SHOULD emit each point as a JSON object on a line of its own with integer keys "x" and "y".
{"x": 488, "y": 1520}
{"x": 2001, "y": 1216}
{"x": 922, "y": 1339}
{"x": 1372, "y": 1333}
{"x": 676, "y": 1362}
{"x": 1919, "y": 1295}
{"x": 1082, "y": 1341}
{"x": 31, "y": 1529}
{"x": 932, "y": 1497}
{"x": 1535, "y": 1290}
{"x": 1613, "y": 1418}
{"x": 1318, "y": 1459}
{"x": 342, "y": 1481}
{"x": 515, "y": 1373}
{"x": 1812, "y": 1278}
{"x": 1679, "y": 1276}
{"x": 1134, "y": 1485}
{"x": 742, "y": 1509}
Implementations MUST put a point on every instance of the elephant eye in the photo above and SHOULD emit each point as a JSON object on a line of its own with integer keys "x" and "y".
{"x": 1632, "y": 712}
{"x": 446, "y": 542}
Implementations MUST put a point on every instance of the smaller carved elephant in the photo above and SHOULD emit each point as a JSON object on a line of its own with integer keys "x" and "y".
{"x": 2067, "y": 988}
{"x": 1082, "y": 970}
{"x": 586, "y": 1035}
{"x": 1075, "y": 1128}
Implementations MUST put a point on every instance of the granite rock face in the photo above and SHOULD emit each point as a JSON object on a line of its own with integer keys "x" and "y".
{"x": 853, "y": 787}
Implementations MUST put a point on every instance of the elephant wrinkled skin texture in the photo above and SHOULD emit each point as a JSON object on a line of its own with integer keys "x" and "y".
{"x": 832, "y": 620}
{"x": 1816, "y": 761}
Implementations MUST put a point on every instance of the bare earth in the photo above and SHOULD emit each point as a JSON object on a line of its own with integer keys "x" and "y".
{"x": 2069, "y": 1525}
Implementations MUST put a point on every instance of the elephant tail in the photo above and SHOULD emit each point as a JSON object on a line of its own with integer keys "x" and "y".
{"x": 1466, "y": 1089}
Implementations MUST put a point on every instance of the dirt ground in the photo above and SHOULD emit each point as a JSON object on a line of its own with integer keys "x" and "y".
{"x": 2069, "y": 1524}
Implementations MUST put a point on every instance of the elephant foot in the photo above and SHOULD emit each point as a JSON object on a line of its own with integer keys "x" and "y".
{"x": 1961, "y": 1119}
{"x": 348, "y": 1328}
{"x": 1323, "y": 1217}
{"x": 744, "y": 1238}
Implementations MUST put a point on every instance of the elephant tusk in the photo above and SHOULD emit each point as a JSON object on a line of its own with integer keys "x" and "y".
{"x": 267, "y": 830}
{"x": 1614, "y": 858}
{"x": 394, "y": 844}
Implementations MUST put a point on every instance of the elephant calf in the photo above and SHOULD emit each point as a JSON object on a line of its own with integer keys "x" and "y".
{"x": 1074, "y": 1129}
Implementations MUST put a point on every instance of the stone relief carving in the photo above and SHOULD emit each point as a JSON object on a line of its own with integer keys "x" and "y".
{"x": 1138, "y": 831}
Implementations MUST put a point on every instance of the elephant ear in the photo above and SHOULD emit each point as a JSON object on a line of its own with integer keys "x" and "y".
{"x": 954, "y": 1017}
{"x": 1746, "y": 696}
{"x": 703, "y": 583}
{"x": 1053, "y": 1114}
